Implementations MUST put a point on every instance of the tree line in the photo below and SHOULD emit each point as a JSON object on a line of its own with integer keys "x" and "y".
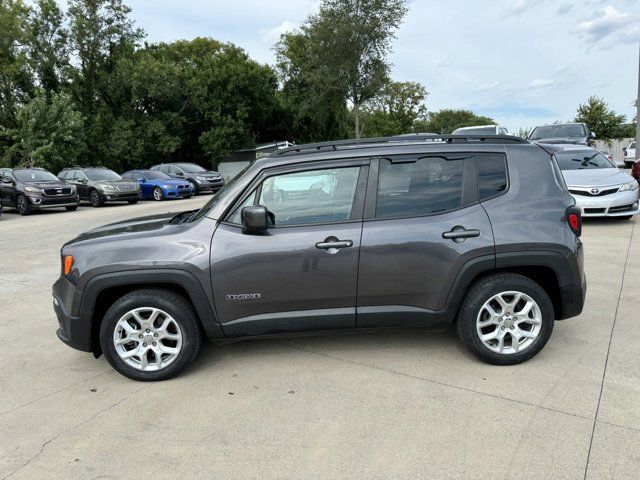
{"x": 82, "y": 86}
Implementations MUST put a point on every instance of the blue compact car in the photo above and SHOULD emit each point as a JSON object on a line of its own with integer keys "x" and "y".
{"x": 158, "y": 186}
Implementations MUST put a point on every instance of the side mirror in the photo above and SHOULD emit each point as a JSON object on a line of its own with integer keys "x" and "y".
{"x": 255, "y": 218}
{"x": 7, "y": 180}
{"x": 180, "y": 174}
{"x": 592, "y": 135}
{"x": 82, "y": 180}
{"x": 140, "y": 180}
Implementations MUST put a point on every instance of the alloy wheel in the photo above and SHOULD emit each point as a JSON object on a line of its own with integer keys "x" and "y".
{"x": 509, "y": 322}
{"x": 21, "y": 205}
{"x": 95, "y": 199}
{"x": 157, "y": 194}
{"x": 147, "y": 339}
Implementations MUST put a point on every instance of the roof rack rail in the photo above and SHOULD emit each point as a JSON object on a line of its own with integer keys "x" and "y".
{"x": 409, "y": 138}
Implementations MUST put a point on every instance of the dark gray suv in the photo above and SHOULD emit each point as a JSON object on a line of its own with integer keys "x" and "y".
{"x": 411, "y": 232}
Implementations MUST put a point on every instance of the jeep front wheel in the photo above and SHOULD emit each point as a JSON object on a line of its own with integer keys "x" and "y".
{"x": 150, "y": 334}
{"x": 505, "y": 319}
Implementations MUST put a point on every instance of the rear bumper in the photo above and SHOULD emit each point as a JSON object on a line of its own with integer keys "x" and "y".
{"x": 71, "y": 330}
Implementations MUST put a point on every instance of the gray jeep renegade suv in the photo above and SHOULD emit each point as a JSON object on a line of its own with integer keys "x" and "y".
{"x": 357, "y": 235}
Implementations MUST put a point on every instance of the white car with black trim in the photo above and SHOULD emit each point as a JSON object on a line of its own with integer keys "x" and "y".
{"x": 598, "y": 186}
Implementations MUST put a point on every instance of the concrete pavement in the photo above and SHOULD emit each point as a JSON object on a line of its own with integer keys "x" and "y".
{"x": 401, "y": 405}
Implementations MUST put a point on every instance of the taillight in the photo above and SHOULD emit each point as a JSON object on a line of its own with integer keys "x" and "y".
{"x": 574, "y": 219}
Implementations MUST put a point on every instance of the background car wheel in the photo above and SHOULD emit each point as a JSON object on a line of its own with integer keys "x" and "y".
{"x": 132, "y": 202}
{"x": 150, "y": 334}
{"x": 95, "y": 199}
{"x": 71, "y": 208}
{"x": 23, "y": 206}
{"x": 505, "y": 319}
{"x": 196, "y": 190}
{"x": 187, "y": 197}
{"x": 157, "y": 194}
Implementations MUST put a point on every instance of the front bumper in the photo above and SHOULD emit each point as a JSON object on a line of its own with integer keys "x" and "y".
{"x": 66, "y": 304}
{"x": 43, "y": 201}
{"x": 210, "y": 185}
{"x": 619, "y": 204}
{"x": 120, "y": 196}
{"x": 175, "y": 192}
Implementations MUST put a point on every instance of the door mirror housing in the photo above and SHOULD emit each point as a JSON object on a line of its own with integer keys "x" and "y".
{"x": 592, "y": 135}
{"x": 7, "y": 180}
{"x": 179, "y": 174}
{"x": 255, "y": 218}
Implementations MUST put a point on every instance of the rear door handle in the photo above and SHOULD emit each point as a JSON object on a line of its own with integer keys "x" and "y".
{"x": 459, "y": 234}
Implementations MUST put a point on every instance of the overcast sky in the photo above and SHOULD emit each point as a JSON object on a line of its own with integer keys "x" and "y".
{"x": 521, "y": 62}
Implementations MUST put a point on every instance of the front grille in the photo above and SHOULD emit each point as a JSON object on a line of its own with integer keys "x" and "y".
{"x": 587, "y": 193}
{"x": 125, "y": 188}
{"x": 54, "y": 192}
{"x": 183, "y": 186}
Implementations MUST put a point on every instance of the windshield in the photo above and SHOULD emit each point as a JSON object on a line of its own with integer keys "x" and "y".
{"x": 219, "y": 194}
{"x": 102, "y": 174}
{"x": 633, "y": 145}
{"x": 581, "y": 160}
{"x": 191, "y": 167}
{"x": 34, "y": 176}
{"x": 556, "y": 131}
{"x": 476, "y": 131}
{"x": 155, "y": 175}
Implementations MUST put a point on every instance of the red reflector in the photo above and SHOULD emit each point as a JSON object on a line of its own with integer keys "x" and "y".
{"x": 574, "y": 221}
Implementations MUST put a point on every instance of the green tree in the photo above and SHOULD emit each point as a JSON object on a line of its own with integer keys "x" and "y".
{"x": 189, "y": 100}
{"x": 602, "y": 120}
{"x": 447, "y": 120}
{"x": 48, "y": 45}
{"x": 15, "y": 79}
{"x": 395, "y": 110}
{"x": 348, "y": 45}
{"x": 314, "y": 109}
{"x": 49, "y": 132}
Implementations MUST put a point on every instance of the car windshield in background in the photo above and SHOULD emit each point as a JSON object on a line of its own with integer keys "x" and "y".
{"x": 558, "y": 131}
{"x": 156, "y": 175}
{"x": 633, "y": 145}
{"x": 34, "y": 176}
{"x": 584, "y": 159}
{"x": 96, "y": 175}
{"x": 219, "y": 194}
{"x": 478, "y": 131}
{"x": 191, "y": 167}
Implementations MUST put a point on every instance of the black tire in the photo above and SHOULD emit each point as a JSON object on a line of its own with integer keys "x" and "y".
{"x": 96, "y": 199}
{"x": 132, "y": 202}
{"x": 72, "y": 208}
{"x": 23, "y": 206}
{"x": 187, "y": 197}
{"x": 196, "y": 190}
{"x": 172, "y": 303}
{"x": 157, "y": 194}
{"x": 482, "y": 291}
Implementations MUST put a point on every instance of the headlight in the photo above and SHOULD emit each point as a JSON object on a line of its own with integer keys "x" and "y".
{"x": 201, "y": 178}
{"x": 33, "y": 189}
{"x": 106, "y": 187}
{"x": 166, "y": 186}
{"x": 631, "y": 186}
{"x": 73, "y": 188}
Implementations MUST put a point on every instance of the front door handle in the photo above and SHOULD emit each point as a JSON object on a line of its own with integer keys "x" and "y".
{"x": 332, "y": 244}
{"x": 459, "y": 234}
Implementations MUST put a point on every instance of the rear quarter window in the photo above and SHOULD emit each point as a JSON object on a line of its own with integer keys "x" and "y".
{"x": 492, "y": 174}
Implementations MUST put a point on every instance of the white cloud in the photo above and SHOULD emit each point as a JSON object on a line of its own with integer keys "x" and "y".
{"x": 541, "y": 83}
{"x": 611, "y": 26}
{"x": 272, "y": 35}
{"x": 487, "y": 86}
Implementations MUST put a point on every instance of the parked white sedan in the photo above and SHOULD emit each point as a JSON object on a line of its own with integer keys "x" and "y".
{"x": 598, "y": 186}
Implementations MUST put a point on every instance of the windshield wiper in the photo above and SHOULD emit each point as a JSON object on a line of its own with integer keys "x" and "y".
{"x": 184, "y": 217}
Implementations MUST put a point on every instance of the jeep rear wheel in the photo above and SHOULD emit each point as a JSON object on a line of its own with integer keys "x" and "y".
{"x": 150, "y": 334}
{"x": 505, "y": 319}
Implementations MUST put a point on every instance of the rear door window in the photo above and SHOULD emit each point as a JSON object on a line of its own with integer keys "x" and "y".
{"x": 426, "y": 186}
